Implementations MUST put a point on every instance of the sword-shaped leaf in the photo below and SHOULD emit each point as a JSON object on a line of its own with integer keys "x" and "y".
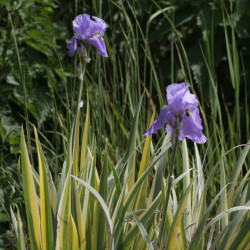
{"x": 30, "y": 198}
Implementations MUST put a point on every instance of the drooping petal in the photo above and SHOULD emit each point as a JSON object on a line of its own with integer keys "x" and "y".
{"x": 166, "y": 115}
{"x": 72, "y": 46}
{"x": 100, "y": 45}
{"x": 192, "y": 128}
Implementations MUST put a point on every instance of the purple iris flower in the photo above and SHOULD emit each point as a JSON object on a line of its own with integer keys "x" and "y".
{"x": 181, "y": 115}
{"x": 91, "y": 30}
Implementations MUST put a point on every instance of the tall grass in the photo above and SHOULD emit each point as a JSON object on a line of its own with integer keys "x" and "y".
{"x": 90, "y": 180}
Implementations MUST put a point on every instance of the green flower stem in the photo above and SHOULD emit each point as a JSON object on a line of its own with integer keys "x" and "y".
{"x": 81, "y": 86}
{"x": 170, "y": 182}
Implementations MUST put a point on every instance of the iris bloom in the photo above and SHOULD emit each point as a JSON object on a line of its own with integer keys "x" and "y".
{"x": 91, "y": 30}
{"x": 181, "y": 115}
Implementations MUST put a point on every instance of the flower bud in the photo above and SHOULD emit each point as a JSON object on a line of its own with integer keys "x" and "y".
{"x": 79, "y": 71}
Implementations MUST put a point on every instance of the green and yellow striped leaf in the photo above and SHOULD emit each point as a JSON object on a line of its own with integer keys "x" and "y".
{"x": 30, "y": 197}
{"x": 85, "y": 138}
{"x": 63, "y": 216}
{"x": 18, "y": 227}
{"x": 46, "y": 218}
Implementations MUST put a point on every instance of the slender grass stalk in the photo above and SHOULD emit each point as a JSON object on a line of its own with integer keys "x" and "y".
{"x": 22, "y": 78}
{"x": 170, "y": 182}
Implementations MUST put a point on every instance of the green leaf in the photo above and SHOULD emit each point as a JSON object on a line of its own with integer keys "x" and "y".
{"x": 142, "y": 195}
{"x": 234, "y": 228}
{"x": 172, "y": 235}
{"x": 144, "y": 218}
{"x": 237, "y": 170}
{"x": 131, "y": 148}
{"x": 224, "y": 213}
{"x": 63, "y": 216}
{"x": 45, "y": 209}
{"x": 18, "y": 227}
{"x": 103, "y": 191}
{"x": 77, "y": 215}
{"x": 186, "y": 182}
{"x": 156, "y": 188}
{"x": 242, "y": 241}
{"x": 134, "y": 190}
{"x": 224, "y": 194}
{"x": 74, "y": 235}
{"x": 103, "y": 206}
{"x": 143, "y": 232}
{"x": 85, "y": 138}
{"x": 131, "y": 152}
{"x": 30, "y": 198}
{"x": 195, "y": 241}
{"x": 183, "y": 239}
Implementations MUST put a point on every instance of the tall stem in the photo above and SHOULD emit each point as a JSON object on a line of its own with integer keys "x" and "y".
{"x": 81, "y": 86}
{"x": 170, "y": 182}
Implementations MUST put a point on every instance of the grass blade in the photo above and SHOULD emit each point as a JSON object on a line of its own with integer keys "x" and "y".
{"x": 144, "y": 233}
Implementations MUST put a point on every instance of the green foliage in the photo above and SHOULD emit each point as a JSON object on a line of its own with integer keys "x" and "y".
{"x": 88, "y": 174}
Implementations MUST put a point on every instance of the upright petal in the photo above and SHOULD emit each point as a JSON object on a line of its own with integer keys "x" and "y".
{"x": 99, "y": 26}
{"x": 81, "y": 26}
{"x": 189, "y": 101}
{"x": 88, "y": 26}
{"x": 166, "y": 115}
{"x": 175, "y": 94}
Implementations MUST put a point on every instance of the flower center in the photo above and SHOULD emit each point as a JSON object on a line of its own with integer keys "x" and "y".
{"x": 95, "y": 36}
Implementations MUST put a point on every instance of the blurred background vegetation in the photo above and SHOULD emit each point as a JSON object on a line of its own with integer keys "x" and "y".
{"x": 150, "y": 45}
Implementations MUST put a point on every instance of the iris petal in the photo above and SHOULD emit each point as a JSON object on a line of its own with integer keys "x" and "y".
{"x": 165, "y": 115}
{"x": 90, "y": 30}
{"x": 100, "y": 45}
{"x": 72, "y": 46}
{"x": 182, "y": 105}
{"x": 192, "y": 128}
